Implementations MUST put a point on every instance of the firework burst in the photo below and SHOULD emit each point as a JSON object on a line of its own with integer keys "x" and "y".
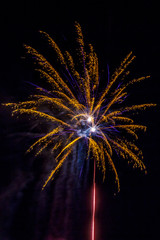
{"x": 84, "y": 113}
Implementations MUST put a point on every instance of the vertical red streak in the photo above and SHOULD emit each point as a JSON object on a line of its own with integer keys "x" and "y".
{"x": 93, "y": 204}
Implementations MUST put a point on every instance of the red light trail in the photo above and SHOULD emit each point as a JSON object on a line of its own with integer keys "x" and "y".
{"x": 93, "y": 203}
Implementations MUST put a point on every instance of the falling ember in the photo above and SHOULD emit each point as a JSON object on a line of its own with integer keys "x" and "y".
{"x": 93, "y": 203}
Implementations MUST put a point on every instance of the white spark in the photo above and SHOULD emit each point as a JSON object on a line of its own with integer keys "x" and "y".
{"x": 93, "y": 129}
{"x": 89, "y": 119}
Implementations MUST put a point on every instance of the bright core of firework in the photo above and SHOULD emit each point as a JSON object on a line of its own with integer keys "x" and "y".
{"x": 76, "y": 109}
{"x": 86, "y": 127}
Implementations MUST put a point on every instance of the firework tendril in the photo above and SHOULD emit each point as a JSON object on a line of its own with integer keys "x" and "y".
{"x": 98, "y": 118}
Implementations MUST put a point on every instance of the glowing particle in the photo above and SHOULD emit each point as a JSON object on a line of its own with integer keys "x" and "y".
{"x": 89, "y": 119}
{"x": 93, "y": 129}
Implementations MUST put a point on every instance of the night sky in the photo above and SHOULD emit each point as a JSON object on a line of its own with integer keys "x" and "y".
{"x": 114, "y": 29}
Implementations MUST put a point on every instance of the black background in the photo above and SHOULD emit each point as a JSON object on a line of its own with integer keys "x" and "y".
{"x": 114, "y": 28}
